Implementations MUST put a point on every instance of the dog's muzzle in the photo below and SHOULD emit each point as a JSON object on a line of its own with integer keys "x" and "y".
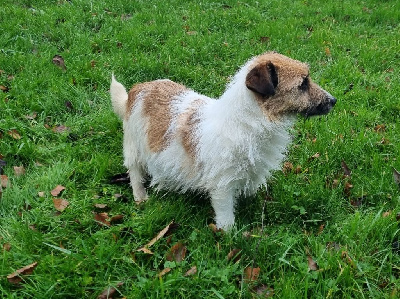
{"x": 322, "y": 108}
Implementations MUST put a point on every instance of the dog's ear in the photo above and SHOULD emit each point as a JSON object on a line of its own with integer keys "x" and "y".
{"x": 263, "y": 79}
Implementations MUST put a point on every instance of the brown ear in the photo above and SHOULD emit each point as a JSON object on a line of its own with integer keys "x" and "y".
{"x": 263, "y": 79}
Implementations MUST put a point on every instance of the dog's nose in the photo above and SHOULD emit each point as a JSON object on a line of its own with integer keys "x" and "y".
{"x": 332, "y": 101}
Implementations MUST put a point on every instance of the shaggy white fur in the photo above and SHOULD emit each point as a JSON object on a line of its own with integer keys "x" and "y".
{"x": 235, "y": 144}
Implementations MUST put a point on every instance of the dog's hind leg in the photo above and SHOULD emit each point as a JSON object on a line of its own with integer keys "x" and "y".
{"x": 136, "y": 176}
{"x": 224, "y": 206}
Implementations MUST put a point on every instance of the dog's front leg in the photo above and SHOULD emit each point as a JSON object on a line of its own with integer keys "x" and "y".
{"x": 224, "y": 206}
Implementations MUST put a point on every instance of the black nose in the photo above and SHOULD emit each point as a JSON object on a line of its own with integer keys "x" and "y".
{"x": 332, "y": 101}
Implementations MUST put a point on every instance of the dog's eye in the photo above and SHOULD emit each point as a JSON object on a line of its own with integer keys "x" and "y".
{"x": 305, "y": 84}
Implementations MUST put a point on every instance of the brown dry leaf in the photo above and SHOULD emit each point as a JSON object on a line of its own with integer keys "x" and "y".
{"x": 191, "y": 271}
{"x": 315, "y": 156}
{"x": 16, "y": 278}
{"x": 298, "y": 169}
{"x": 60, "y": 204}
{"x": 14, "y": 134}
{"x": 177, "y": 253}
{"x": 321, "y": 229}
{"x": 163, "y": 272}
{"x": 101, "y": 218}
{"x": 60, "y": 129}
{"x": 4, "y": 88}
{"x": 19, "y": 170}
{"x": 312, "y": 265}
{"x": 263, "y": 291}
{"x": 380, "y": 128}
{"x": 396, "y": 176}
{"x": 287, "y": 167}
{"x": 6, "y": 246}
{"x": 386, "y": 214}
{"x": 333, "y": 246}
{"x": 346, "y": 169}
{"x": 156, "y": 238}
{"x": 264, "y": 39}
{"x": 214, "y": 228}
{"x": 31, "y": 116}
{"x": 101, "y": 206}
{"x": 4, "y": 181}
{"x": 57, "y": 190}
{"x": 234, "y": 255}
{"x": 251, "y": 274}
{"x": 347, "y": 258}
{"x": 109, "y": 292}
{"x": 347, "y": 188}
{"x": 327, "y": 51}
{"x": 58, "y": 60}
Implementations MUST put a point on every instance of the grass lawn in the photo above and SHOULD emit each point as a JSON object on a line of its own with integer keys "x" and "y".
{"x": 328, "y": 226}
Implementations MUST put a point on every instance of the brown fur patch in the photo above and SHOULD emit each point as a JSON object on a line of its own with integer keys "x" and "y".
{"x": 186, "y": 127}
{"x": 157, "y": 97}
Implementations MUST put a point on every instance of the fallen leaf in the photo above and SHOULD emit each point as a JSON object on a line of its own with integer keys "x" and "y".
{"x": 234, "y": 255}
{"x": 380, "y": 128}
{"x": 68, "y": 105}
{"x": 60, "y": 129}
{"x": 347, "y": 188}
{"x": 321, "y": 229}
{"x": 109, "y": 292}
{"x": 101, "y": 218}
{"x": 327, "y": 51}
{"x": 101, "y": 206}
{"x": 315, "y": 156}
{"x": 346, "y": 169}
{"x": 386, "y": 214}
{"x": 396, "y": 176}
{"x": 60, "y": 204}
{"x": 14, "y": 134}
{"x": 287, "y": 167}
{"x": 346, "y": 257}
{"x": 6, "y": 246}
{"x": 41, "y": 194}
{"x": 156, "y": 238}
{"x": 57, "y": 190}
{"x": 31, "y": 116}
{"x": 4, "y": 88}
{"x": 19, "y": 170}
{"x": 263, "y": 291}
{"x": 16, "y": 278}
{"x": 191, "y": 271}
{"x": 4, "y": 181}
{"x": 251, "y": 274}
{"x": 191, "y": 32}
{"x": 333, "y": 246}
{"x": 163, "y": 272}
{"x": 264, "y": 39}
{"x": 177, "y": 253}
{"x": 214, "y": 228}
{"x": 312, "y": 265}
{"x": 58, "y": 60}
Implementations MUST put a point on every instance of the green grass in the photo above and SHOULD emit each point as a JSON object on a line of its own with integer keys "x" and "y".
{"x": 353, "y": 50}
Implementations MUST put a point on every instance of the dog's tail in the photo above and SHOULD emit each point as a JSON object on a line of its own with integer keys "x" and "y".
{"x": 119, "y": 97}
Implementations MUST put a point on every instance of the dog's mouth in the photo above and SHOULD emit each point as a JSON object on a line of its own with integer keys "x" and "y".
{"x": 322, "y": 108}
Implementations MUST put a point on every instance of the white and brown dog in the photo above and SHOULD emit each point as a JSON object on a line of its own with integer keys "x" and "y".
{"x": 188, "y": 141}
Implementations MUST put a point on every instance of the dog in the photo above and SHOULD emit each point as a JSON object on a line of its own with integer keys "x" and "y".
{"x": 187, "y": 141}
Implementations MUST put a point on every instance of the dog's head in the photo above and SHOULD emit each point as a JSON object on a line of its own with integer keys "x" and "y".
{"x": 282, "y": 86}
